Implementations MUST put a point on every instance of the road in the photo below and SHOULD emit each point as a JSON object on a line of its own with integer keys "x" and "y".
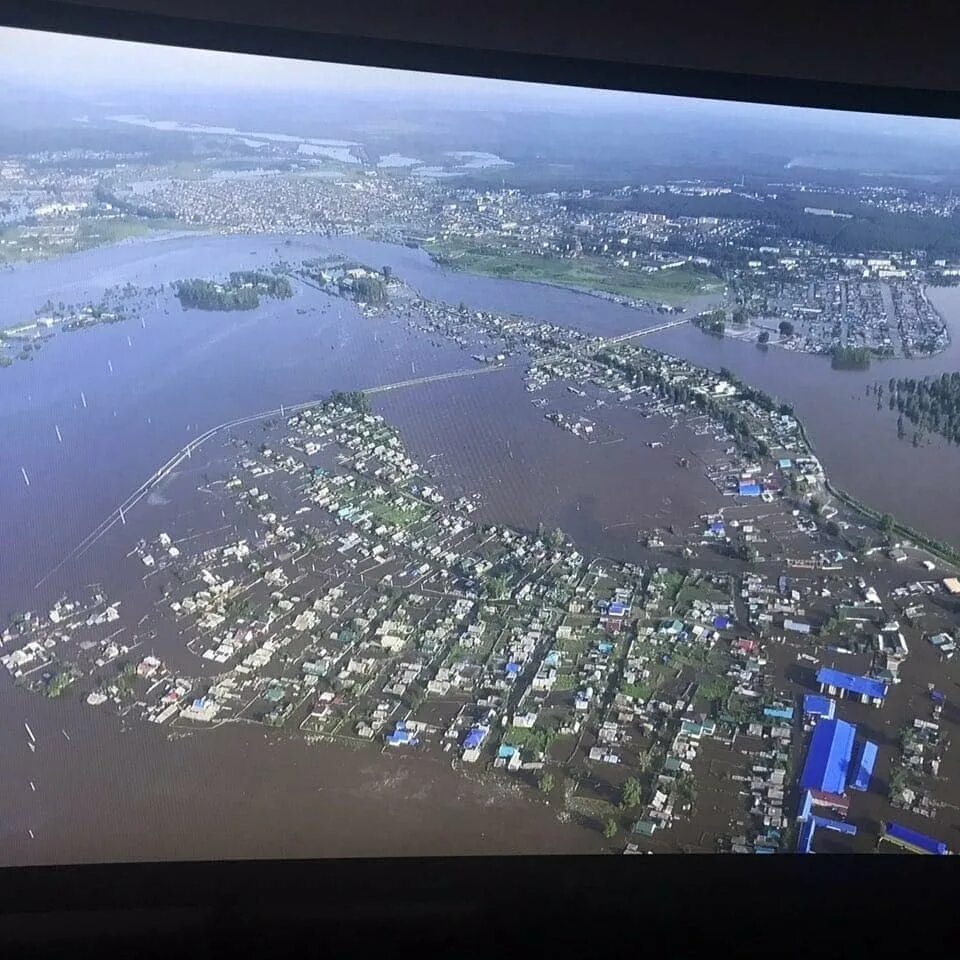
{"x": 118, "y": 515}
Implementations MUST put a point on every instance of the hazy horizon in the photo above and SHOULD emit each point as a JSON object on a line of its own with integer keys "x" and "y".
{"x": 100, "y": 67}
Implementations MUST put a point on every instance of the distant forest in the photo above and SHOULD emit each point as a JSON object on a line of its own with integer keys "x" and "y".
{"x": 869, "y": 229}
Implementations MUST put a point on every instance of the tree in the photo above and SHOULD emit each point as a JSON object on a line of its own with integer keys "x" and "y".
{"x": 886, "y": 523}
{"x": 387, "y": 272}
{"x": 815, "y": 506}
{"x": 557, "y": 538}
{"x": 497, "y": 587}
{"x": 546, "y": 783}
{"x": 632, "y": 793}
{"x": 610, "y": 829}
{"x": 764, "y": 337}
{"x": 786, "y": 328}
{"x": 833, "y": 528}
{"x": 739, "y": 316}
{"x": 369, "y": 290}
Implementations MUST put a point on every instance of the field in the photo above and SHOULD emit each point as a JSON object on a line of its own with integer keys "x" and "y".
{"x": 56, "y": 238}
{"x": 584, "y": 273}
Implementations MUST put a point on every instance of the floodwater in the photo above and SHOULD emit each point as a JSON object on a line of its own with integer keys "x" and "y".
{"x": 115, "y": 792}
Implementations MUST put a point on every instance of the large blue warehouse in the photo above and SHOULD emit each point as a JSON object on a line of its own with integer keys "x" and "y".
{"x": 828, "y": 760}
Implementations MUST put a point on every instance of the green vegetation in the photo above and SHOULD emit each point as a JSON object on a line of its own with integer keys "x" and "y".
{"x": 716, "y": 688}
{"x": 546, "y": 783}
{"x": 639, "y": 691}
{"x": 786, "y": 328}
{"x": 713, "y": 322}
{"x": 642, "y": 372}
{"x": 587, "y": 272}
{"x": 851, "y": 358}
{"x": 387, "y": 512}
{"x": 497, "y": 587}
{"x": 869, "y": 227}
{"x": 764, "y": 337}
{"x": 241, "y": 292}
{"x": 535, "y": 739}
{"x": 610, "y": 828}
{"x": 59, "y": 237}
{"x": 126, "y": 679}
{"x": 632, "y": 794}
{"x": 930, "y": 404}
{"x": 62, "y": 680}
{"x": 355, "y": 399}
{"x": 369, "y": 290}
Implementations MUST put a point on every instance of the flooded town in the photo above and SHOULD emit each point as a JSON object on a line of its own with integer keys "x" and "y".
{"x": 396, "y": 506}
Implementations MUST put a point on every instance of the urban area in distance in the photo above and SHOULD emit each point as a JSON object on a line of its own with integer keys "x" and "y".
{"x": 403, "y": 465}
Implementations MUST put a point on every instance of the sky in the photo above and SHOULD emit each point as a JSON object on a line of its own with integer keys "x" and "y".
{"x": 51, "y": 59}
{"x": 84, "y": 64}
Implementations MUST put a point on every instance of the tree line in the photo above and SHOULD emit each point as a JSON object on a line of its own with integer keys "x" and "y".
{"x": 931, "y": 404}
{"x": 241, "y": 292}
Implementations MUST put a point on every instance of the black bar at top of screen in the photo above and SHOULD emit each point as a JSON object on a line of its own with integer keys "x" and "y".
{"x": 139, "y": 27}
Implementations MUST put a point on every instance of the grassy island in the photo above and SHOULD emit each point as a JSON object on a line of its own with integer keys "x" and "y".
{"x": 585, "y": 272}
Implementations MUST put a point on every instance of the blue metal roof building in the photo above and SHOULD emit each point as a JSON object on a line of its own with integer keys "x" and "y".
{"x": 863, "y": 766}
{"x": 849, "y": 683}
{"x": 838, "y": 826}
{"x": 816, "y": 705}
{"x": 912, "y": 840}
{"x": 749, "y": 490}
{"x": 778, "y": 713}
{"x": 475, "y": 738}
{"x": 828, "y": 758}
{"x": 805, "y": 839}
